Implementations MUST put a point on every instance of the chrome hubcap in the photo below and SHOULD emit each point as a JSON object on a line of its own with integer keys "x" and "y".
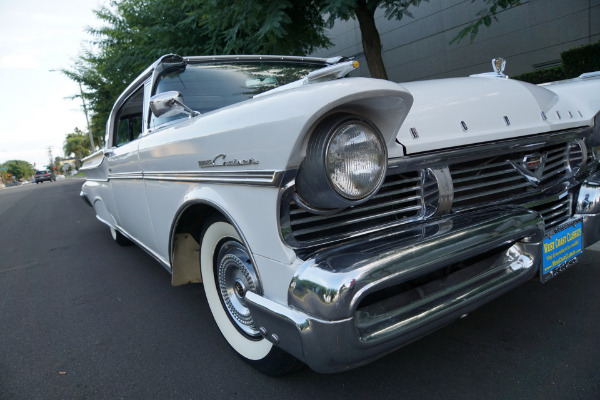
{"x": 236, "y": 276}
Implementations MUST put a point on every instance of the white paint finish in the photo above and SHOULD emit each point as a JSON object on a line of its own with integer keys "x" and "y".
{"x": 578, "y": 95}
{"x": 253, "y": 210}
{"x": 131, "y": 206}
{"x": 281, "y": 121}
{"x": 276, "y": 277}
{"x": 273, "y": 130}
{"x": 441, "y": 105}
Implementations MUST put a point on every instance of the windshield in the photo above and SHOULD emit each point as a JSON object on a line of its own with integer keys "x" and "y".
{"x": 206, "y": 87}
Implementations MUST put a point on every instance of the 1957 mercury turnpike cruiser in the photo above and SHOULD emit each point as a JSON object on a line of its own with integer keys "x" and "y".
{"x": 332, "y": 219}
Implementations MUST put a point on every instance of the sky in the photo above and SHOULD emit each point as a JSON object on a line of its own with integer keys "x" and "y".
{"x": 37, "y": 36}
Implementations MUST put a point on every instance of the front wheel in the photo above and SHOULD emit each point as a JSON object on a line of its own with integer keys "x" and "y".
{"x": 227, "y": 273}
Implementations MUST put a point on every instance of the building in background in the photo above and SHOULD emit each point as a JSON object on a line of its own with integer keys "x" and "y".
{"x": 529, "y": 37}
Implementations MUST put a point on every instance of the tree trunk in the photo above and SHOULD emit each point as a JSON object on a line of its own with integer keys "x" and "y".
{"x": 370, "y": 40}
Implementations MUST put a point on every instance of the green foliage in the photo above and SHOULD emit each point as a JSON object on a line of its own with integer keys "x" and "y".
{"x": 77, "y": 143}
{"x": 582, "y": 59}
{"x": 17, "y": 169}
{"x": 364, "y": 12}
{"x": 286, "y": 27}
{"x": 543, "y": 75}
{"x": 485, "y": 17}
{"x": 346, "y": 9}
{"x": 575, "y": 62}
{"x": 135, "y": 33}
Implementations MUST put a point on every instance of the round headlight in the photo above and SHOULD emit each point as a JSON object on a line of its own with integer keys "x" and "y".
{"x": 345, "y": 163}
{"x": 355, "y": 160}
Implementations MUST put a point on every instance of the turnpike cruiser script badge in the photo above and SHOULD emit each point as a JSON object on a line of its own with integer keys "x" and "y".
{"x": 219, "y": 161}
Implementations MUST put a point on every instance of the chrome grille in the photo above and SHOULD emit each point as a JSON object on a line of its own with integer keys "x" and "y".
{"x": 482, "y": 176}
{"x": 493, "y": 178}
{"x": 554, "y": 211}
{"x": 400, "y": 199}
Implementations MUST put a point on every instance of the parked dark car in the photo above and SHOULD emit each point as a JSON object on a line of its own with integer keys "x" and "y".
{"x": 43, "y": 175}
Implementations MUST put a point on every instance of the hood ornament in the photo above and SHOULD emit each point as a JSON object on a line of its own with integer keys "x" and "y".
{"x": 499, "y": 64}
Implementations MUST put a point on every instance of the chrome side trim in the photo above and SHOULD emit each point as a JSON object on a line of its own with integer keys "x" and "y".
{"x": 126, "y": 175}
{"x": 254, "y": 178}
{"x": 96, "y": 180}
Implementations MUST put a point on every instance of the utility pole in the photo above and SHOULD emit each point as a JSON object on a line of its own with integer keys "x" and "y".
{"x": 87, "y": 119}
{"x": 85, "y": 110}
{"x": 51, "y": 161}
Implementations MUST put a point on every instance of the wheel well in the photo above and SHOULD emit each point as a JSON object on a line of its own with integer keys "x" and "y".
{"x": 185, "y": 242}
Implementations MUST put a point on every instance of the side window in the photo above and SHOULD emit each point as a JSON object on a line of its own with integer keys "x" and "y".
{"x": 129, "y": 121}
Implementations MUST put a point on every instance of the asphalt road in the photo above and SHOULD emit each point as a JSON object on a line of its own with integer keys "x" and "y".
{"x": 83, "y": 318}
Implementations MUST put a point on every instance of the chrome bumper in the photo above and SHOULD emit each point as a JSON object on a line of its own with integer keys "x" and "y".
{"x": 355, "y": 302}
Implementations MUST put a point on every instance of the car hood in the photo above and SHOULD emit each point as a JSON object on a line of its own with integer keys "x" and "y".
{"x": 461, "y": 111}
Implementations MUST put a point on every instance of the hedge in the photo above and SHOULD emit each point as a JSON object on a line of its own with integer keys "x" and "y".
{"x": 575, "y": 62}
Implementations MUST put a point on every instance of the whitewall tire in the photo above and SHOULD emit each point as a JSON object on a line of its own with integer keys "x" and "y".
{"x": 227, "y": 273}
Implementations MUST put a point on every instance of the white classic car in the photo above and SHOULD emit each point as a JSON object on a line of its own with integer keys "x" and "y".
{"x": 334, "y": 220}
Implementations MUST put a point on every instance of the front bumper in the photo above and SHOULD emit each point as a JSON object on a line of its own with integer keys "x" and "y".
{"x": 355, "y": 302}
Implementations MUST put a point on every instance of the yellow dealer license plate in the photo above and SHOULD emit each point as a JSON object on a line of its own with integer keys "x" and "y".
{"x": 561, "y": 250}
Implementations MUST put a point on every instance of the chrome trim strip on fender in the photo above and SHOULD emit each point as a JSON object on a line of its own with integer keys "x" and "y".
{"x": 254, "y": 178}
{"x": 260, "y": 178}
{"x": 126, "y": 175}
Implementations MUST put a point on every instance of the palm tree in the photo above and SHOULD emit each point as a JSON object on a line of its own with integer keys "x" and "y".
{"x": 77, "y": 143}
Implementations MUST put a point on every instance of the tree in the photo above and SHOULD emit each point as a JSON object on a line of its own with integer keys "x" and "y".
{"x": 286, "y": 27}
{"x": 17, "y": 169}
{"x": 364, "y": 12}
{"x": 485, "y": 17}
{"x": 77, "y": 143}
{"x": 134, "y": 33}
{"x": 137, "y": 32}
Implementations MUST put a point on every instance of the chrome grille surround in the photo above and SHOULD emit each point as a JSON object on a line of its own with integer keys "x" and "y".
{"x": 476, "y": 180}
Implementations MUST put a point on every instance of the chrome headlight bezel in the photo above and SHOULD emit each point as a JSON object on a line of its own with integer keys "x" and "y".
{"x": 345, "y": 163}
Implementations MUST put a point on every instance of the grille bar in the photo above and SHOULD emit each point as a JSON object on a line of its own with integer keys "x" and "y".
{"x": 472, "y": 179}
{"x": 399, "y": 199}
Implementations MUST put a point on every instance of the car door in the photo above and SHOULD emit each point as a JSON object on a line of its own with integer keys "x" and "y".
{"x": 125, "y": 172}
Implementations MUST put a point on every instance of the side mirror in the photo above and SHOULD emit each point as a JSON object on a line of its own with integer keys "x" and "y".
{"x": 168, "y": 104}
